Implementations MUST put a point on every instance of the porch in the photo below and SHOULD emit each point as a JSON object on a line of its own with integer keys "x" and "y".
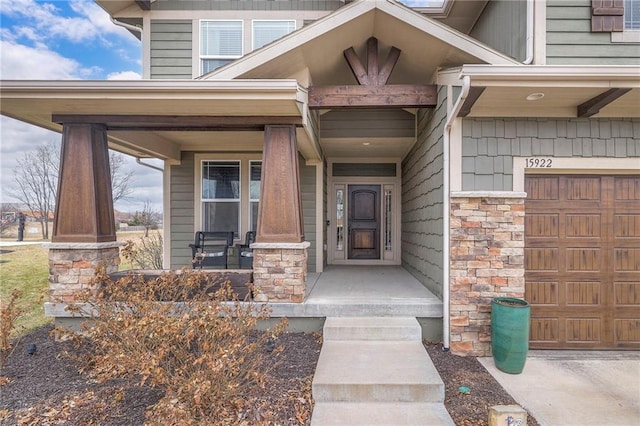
{"x": 365, "y": 291}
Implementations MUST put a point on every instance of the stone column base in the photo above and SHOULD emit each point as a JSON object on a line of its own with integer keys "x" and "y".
{"x": 487, "y": 261}
{"x": 280, "y": 271}
{"x": 72, "y": 265}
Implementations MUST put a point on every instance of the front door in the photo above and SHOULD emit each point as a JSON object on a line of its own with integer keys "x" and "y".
{"x": 364, "y": 222}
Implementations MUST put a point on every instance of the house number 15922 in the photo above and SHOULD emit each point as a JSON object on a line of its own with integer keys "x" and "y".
{"x": 538, "y": 162}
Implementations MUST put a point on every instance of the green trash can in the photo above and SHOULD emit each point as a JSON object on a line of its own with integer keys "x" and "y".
{"x": 510, "y": 333}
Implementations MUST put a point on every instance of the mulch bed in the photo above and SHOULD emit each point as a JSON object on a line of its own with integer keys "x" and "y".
{"x": 470, "y": 408}
{"x": 46, "y": 388}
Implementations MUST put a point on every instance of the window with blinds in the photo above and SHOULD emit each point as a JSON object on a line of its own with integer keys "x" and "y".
{"x": 264, "y": 32}
{"x": 632, "y": 14}
{"x": 220, "y": 43}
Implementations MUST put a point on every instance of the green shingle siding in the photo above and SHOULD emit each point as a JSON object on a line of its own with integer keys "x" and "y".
{"x": 422, "y": 199}
{"x": 487, "y": 161}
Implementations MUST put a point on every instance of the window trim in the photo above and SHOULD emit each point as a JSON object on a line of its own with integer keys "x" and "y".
{"x": 253, "y": 29}
{"x": 202, "y": 57}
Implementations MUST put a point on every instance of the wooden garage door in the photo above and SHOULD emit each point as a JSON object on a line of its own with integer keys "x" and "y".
{"x": 582, "y": 261}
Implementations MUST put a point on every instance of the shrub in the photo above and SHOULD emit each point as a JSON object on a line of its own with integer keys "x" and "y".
{"x": 202, "y": 350}
{"x": 146, "y": 253}
{"x": 9, "y": 313}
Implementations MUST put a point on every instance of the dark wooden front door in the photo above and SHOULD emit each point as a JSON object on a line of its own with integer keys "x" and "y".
{"x": 364, "y": 222}
{"x": 582, "y": 261}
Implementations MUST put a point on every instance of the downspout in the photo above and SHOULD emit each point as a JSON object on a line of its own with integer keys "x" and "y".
{"x": 446, "y": 252}
{"x": 530, "y": 31}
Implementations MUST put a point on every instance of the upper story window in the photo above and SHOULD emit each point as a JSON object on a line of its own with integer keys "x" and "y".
{"x": 220, "y": 43}
{"x": 631, "y": 15}
{"x": 264, "y": 32}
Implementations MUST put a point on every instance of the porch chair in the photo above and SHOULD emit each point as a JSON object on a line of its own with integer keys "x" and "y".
{"x": 245, "y": 253}
{"x": 210, "y": 249}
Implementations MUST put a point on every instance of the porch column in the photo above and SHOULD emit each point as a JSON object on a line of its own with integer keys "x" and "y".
{"x": 280, "y": 252}
{"x": 84, "y": 232}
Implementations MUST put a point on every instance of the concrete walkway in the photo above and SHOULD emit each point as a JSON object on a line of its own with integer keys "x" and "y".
{"x": 375, "y": 371}
{"x": 576, "y": 388}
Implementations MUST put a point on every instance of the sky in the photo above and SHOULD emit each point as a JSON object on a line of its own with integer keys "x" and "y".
{"x": 66, "y": 40}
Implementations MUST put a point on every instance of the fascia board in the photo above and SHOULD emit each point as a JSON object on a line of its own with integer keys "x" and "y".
{"x": 572, "y": 76}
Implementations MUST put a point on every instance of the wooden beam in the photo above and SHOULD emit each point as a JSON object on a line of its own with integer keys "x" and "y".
{"x": 595, "y": 104}
{"x": 389, "y": 65}
{"x": 472, "y": 97}
{"x": 393, "y": 96}
{"x": 358, "y": 70}
{"x": 372, "y": 60}
{"x": 178, "y": 123}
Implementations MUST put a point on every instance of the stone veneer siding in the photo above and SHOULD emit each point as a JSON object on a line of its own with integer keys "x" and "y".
{"x": 487, "y": 261}
{"x": 72, "y": 266}
{"x": 280, "y": 272}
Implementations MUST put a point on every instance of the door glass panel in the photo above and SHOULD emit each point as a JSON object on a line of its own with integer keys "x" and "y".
{"x": 340, "y": 219}
{"x": 388, "y": 220}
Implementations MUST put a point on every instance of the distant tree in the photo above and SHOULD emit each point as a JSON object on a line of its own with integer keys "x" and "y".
{"x": 120, "y": 178}
{"x": 36, "y": 181}
{"x": 35, "y": 185}
{"x": 148, "y": 217}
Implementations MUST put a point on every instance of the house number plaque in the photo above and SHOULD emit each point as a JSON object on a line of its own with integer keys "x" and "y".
{"x": 538, "y": 162}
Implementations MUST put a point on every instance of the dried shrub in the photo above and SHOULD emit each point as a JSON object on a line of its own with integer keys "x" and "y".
{"x": 9, "y": 313}
{"x": 145, "y": 253}
{"x": 202, "y": 350}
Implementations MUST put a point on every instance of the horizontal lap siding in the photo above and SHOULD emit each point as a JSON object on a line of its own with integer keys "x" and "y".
{"x": 422, "y": 199}
{"x": 368, "y": 123}
{"x": 308, "y": 193}
{"x": 248, "y": 5}
{"x": 503, "y": 26}
{"x": 181, "y": 211}
{"x": 571, "y": 42}
{"x": 171, "y": 49}
{"x": 489, "y": 145}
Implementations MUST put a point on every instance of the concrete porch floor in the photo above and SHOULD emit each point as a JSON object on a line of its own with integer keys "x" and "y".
{"x": 343, "y": 291}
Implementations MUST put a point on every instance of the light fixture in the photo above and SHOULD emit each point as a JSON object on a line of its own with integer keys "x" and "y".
{"x": 366, "y": 143}
{"x": 535, "y": 96}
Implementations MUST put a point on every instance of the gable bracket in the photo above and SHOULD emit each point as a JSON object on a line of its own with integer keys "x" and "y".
{"x": 372, "y": 75}
{"x": 595, "y": 104}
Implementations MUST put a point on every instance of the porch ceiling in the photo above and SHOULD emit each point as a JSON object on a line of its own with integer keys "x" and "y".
{"x": 559, "y": 91}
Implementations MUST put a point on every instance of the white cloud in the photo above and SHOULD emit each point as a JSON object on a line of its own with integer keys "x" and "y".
{"x": 124, "y": 75}
{"x": 24, "y": 62}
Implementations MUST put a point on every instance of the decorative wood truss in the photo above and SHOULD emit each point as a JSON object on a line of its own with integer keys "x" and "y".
{"x": 373, "y": 91}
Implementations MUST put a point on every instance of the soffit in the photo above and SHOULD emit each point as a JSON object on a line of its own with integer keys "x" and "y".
{"x": 564, "y": 89}
{"x": 426, "y": 45}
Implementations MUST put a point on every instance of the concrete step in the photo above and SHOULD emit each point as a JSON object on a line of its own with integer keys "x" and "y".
{"x": 379, "y": 414}
{"x": 376, "y": 371}
{"x": 372, "y": 328}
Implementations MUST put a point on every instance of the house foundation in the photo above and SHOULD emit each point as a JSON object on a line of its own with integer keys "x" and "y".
{"x": 73, "y": 265}
{"x": 280, "y": 271}
{"x": 487, "y": 261}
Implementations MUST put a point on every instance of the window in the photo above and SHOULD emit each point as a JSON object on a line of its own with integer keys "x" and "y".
{"x": 221, "y": 196}
{"x": 264, "y": 32}
{"x": 631, "y": 15}
{"x": 220, "y": 43}
{"x": 255, "y": 174}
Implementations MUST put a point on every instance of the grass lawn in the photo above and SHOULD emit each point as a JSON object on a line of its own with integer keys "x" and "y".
{"x": 26, "y": 268}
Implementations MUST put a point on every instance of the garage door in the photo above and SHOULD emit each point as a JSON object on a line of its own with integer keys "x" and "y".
{"x": 582, "y": 261}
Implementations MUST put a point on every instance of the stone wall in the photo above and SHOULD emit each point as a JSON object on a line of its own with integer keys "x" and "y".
{"x": 73, "y": 265}
{"x": 280, "y": 272}
{"x": 487, "y": 261}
